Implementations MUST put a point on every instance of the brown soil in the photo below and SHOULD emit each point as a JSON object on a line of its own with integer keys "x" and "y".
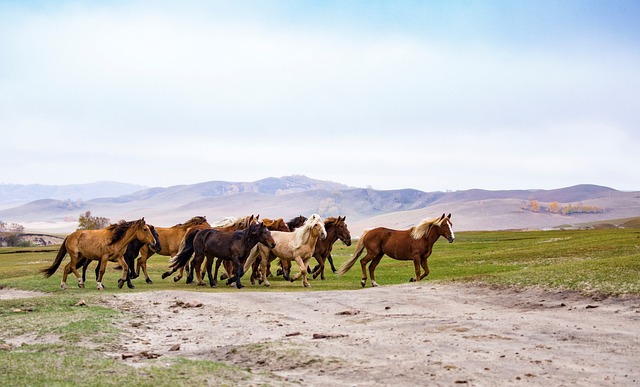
{"x": 414, "y": 334}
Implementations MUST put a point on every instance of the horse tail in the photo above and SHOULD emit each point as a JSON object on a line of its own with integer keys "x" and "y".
{"x": 48, "y": 272}
{"x": 253, "y": 254}
{"x": 356, "y": 254}
{"x": 186, "y": 250}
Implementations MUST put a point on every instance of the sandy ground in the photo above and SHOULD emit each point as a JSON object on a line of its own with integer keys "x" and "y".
{"x": 414, "y": 334}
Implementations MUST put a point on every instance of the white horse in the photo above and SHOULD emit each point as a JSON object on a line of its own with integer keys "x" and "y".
{"x": 298, "y": 246}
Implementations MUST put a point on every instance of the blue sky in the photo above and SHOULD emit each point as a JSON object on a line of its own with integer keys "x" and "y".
{"x": 430, "y": 95}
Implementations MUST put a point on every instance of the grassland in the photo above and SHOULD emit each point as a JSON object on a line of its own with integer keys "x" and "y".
{"x": 604, "y": 262}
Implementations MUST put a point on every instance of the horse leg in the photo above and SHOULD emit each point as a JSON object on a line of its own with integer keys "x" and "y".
{"x": 125, "y": 273}
{"x": 209, "y": 267}
{"x": 319, "y": 269}
{"x": 65, "y": 273}
{"x": 191, "y": 269}
{"x": 143, "y": 265}
{"x": 103, "y": 267}
{"x": 372, "y": 269}
{"x": 196, "y": 265}
{"x": 416, "y": 266}
{"x": 263, "y": 268}
{"x": 72, "y": 267}
{"x": 239, "y": 272}
{"x": 363, "y": 265}
{"x": 425, "y": 266}
{"x": 215, "y": 274}
{"x": 333, "y": 268}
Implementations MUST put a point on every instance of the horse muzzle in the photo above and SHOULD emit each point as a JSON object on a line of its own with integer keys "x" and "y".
{"x": 451, "y": 240}
{"x": 272, "y": 245}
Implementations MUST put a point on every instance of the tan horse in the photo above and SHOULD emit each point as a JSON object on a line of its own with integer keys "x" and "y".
{"x": 104, "y": 245}
{"x": 170, "y": 239}
{"x": 414, "y": 244}
{"x": 290, "y": 246}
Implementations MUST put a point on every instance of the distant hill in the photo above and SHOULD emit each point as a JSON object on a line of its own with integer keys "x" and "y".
{"x": 290, "y": 196}
{"x": 22, "y": 193}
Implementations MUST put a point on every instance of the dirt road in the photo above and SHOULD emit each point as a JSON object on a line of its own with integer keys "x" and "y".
{"x": 414, "y": 334}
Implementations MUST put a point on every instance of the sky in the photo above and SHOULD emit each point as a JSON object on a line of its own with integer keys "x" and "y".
{"x": 431, "y": 95}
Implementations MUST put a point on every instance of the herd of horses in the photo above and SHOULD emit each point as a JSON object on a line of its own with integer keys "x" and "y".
{"x": 243, "y": 245}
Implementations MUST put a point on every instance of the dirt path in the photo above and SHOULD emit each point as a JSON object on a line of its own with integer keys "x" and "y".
{"x": 427, "y": 334}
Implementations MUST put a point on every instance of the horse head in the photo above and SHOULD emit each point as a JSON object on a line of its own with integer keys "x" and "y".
{"x": 446, "y": 228}
{"x": 260, "y": 231}
{"x": 143, "y": 232}
{"x": 316, "y": 225}
{"x": 342, "y": 231}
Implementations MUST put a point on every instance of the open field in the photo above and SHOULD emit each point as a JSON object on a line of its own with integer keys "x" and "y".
{"x": 500, "y": 307}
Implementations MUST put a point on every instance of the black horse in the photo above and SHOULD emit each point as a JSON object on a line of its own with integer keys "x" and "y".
{"x": 231, "y": 246}
{"x": 130, "y": 255}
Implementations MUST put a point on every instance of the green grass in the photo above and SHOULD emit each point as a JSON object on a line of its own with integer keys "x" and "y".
{"x": 590, "y": 261}
{"x": 605, "y": 262}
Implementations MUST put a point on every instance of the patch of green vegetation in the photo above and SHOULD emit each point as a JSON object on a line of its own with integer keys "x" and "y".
{"x": 46, "y": 365}
{"x": 604, "y": 261}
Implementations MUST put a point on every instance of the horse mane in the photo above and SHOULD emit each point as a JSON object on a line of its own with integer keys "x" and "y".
{"x": 120, "y": 229}
{"x": 225, "y": 222}
{"x": 422, "y": 229}
{"x": 193, "y": 221}
{"x": 303, "y": 232}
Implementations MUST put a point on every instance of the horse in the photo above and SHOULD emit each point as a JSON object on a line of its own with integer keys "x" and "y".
{"x": 297, "y": 245}
{"x": 232, "y": 246}
{"x": 336, "y": 229}
{"x": 131, "y": 253}
{"x": 105, "y": 244}
{"x": 414, "y": 244}
{"x": 186, "y": 244}
{"x": 170, "y": 239}
{"x": 296, "y": 222}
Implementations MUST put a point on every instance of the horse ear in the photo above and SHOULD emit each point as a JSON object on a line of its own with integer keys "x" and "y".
{"x": 442, "y": 217}
{"x": 258, "y": 217}
{"x": 449, "y": 216}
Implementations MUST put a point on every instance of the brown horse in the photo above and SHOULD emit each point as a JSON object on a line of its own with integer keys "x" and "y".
{"x": 186, "y": 244}
{"x": 232, "y": 246}
{"x": 170, "y": 239}
{"x": 336, "y": 229}
{"x": 105, "y": 244}
{"x": 414, "y": 244}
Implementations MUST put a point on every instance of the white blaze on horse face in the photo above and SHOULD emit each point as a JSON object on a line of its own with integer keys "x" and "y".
{"x": 453, "y": 236}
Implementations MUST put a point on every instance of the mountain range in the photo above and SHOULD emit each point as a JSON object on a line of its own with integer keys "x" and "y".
{"x": 57, "y": 208}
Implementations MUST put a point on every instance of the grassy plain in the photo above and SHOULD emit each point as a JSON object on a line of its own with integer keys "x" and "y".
{"x": 604, "y": 262}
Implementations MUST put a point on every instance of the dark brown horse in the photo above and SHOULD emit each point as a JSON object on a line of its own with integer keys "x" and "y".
{"x": 414, "y": 244}
{"x": 231, "y": 246}
{"x": 170, "y": 239}
{"x": 186, "y": 244}
{"x": 105, "y": 244}
{"x": 336, "y": 229}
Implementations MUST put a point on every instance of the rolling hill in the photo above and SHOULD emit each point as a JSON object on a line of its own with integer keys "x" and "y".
{"x": 290, "y": 196}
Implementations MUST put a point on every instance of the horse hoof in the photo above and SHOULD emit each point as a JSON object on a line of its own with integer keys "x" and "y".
{"x": 412, "y": 279}
{"x": 63, "y": 286}
{"x": 176, "y": 279}
{"x": 165, "y": 275}
{"x": 307, "y": 285}
{"x": 149, "y": 281}
{"x": 363, "y": 283}
{"x": 130, "y": 286}
{"x": 223, "y": 276}
{"x": 134, "y": 276}
{"x": 120, "y": 283}
{"x": 81, "y": 286}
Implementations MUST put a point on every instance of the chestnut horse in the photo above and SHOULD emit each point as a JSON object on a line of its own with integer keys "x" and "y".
{"x": 297, "y": 245}
{"x": 170, "y": 239}
{"x": 130, "y": 255}
{"x": 414, "y": 244}
{"x": 232, "y": 246}
{"x": 336, "y": 229}
{"x": 105, "y": 244}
